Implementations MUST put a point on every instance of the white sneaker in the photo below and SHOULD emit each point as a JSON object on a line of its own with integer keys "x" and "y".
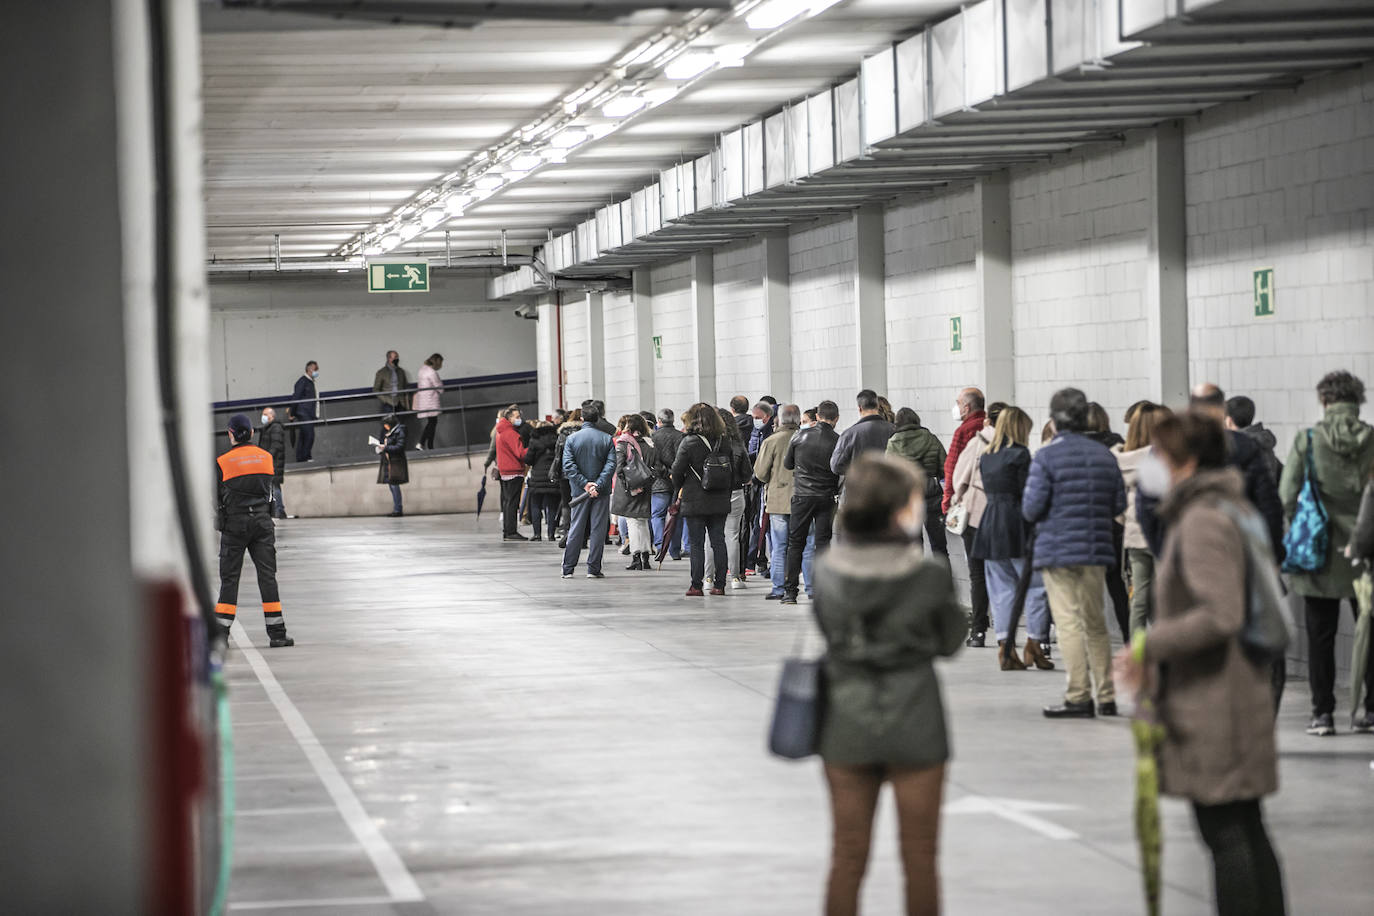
{"x": 419, "y": 447}
{"x": 737, "y": 582}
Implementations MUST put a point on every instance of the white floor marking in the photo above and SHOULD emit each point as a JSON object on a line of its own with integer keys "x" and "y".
{"x": 287, "y": 809}
{"x": 1015, "y": 810}
{"x": 400, "y": 884}
{"x": 314, "y": 904}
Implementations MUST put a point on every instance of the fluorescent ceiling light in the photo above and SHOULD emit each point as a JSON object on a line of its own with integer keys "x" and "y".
{"x": 692, "y": 63}
{"x": 555, "y": 155}
{"x": 341, "y": 270}
{"x": 389, "y": 241}
{"x": 432, "y": 217}
{"x": 773, "y": 13}
{"x": 525, "y": 162}
{"x": 455, "y": 204}
{"x": 489, "y": 182}
{"x": 659, "y": 96}
{"x": 732, "y": 55}
{"x": 408, "y": 231}
{"x": 602, "y": 129}
{"x": 623, "y": 105}
{"x": 372, "y": 251}
{"x": 568, "y": 138}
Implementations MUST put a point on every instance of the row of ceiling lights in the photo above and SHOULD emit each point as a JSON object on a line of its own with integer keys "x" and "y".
{"x": 671, "y": 55}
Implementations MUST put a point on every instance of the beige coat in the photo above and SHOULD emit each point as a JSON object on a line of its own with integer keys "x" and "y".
{"x": 1216, "y": 704}
{"x": 968, "y": 478}
{"x": 768, "y": 468}
{"x": 1129, "y": 462}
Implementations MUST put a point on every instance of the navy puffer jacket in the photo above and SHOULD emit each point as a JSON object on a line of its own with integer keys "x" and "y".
{"x": 1072, "y": 494}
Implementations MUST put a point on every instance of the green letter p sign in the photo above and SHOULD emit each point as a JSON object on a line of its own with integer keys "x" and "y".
{"x": 1264, "y": 292}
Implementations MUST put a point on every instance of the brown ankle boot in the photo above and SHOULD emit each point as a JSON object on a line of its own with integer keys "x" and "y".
{"x": 1007, "y": 657}
{"x": 1036, "y": 656}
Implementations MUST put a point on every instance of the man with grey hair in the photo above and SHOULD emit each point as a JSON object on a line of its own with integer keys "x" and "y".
{"x": 666, "y": 438}
{"x": 770, "y": 471}
{"x": 1073, "y": 493}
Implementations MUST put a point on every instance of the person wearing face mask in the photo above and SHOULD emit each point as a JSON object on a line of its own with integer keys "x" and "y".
{"x": 390, "y": 384}
{"x": 428, "y": 392}
{"x": 1212, "y": 697}
{"x": 510, "y": 467}
{"x": 1140, "y": 466}
{"x": 886, "y": 612}
{"x": 305, "y": 409}
{"x": 272, "y": 439}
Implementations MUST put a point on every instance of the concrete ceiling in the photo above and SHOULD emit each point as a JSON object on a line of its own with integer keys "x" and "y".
{"x": 315, "y": 128}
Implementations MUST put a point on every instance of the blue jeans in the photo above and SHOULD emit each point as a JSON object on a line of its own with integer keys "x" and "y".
{"x": 777, "y": 562}
{"x": 1002, "y": 576}
{"x": 591, "y": 520}
{"x": 278, "y": 504}
{"x": 659, "y": 520}
{"x": 395, "y": 497}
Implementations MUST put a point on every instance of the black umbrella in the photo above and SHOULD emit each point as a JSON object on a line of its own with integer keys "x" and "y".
{"x": 670, "y": 524}
{"x": 746, "y": 529}
{"x": 481, "y": 496}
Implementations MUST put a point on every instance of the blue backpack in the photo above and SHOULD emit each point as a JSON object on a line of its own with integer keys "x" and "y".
{"x": 1308, "y": 542}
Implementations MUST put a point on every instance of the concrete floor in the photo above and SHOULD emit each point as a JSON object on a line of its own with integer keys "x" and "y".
{"x": 459, "y": 731}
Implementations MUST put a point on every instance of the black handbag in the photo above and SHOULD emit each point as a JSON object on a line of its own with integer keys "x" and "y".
{"x": 795, "y": 732}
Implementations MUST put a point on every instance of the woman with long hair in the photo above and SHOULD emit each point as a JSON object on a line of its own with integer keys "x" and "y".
{"x": 634, "y": 449}
{"x": 1145, "y": 416}
{"x": 887, "y": 610}
{"x": 703, "y": 509}
{"x": 1003, "y": 541}
{"x": 741, "y": 471}
{"x": 428, "y": 389}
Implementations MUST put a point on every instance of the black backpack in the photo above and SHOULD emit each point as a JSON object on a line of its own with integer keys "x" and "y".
{"x": 716, "y": 473}
{"x": 637, "y": 473}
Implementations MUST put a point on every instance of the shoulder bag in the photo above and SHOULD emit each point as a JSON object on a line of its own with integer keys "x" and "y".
{"x": 1308, "y": 542}
{"x": 1266, "y": 632}
{"x": 795, "y": 732}
{"x": 637, "y": 474}
{"x": 956, "y": 519}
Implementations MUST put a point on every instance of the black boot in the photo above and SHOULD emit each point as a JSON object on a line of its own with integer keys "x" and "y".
{"x": 636, "y": 563}
{"x": 277, "y": 638}
{"x": 648, "y": 561}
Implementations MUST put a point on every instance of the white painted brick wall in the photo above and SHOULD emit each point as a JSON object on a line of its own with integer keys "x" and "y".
{"x": 741, "y": 363}
{"x": 930, "y": 245}
{"x": 675, "y": 383}
{"x": 622, "y": 359}
{"x": 821, "y": 258}
{"x": 1285, "y": 180}
{"x": 578, "y": 384}
{"x": 1078, "y": 273}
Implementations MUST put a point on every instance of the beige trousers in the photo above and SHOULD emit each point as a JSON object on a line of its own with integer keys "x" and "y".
{"x": 1075, "y": 594}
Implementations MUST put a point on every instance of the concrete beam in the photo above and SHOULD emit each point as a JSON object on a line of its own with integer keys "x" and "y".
{"x": 992, "y": 208}
{"x": 870, "y": 307}
{"x": 644, "y": 336}
{"x": 596, "y": 346}
{"x": 777, "y": 315}
{"x": 704, "y": 324}
{"x": 1166, "y": 294}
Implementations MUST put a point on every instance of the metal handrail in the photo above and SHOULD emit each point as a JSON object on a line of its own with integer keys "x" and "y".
{"x": 460, "y": 385}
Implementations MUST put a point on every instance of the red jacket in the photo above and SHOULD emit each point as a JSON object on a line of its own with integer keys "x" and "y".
{"x": 510, "y": 450}
{"x": 962, "y": 436}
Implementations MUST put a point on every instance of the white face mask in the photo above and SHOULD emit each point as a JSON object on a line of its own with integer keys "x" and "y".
{"x": 315, "y": 374}
{"x": 758, "y": 424}
{"x": 956, "y": 413}
{"x": 517, "y": 421}
{"x": 265, "y": 420}
{"x": 1153, "y": 476}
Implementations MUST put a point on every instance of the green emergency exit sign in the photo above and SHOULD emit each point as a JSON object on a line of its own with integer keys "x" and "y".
{"x": 956, "y": 334}
{"x": 398, "y": 277}
{"x": 1264, "y": 292}
{"x": 658, "y": 346}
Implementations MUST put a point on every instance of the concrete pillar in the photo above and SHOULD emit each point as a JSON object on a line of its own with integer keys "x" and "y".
{"x": 1166, "y": 296}
{"x": 596, "y": 346}
{"x": 546, "y": 354}
{"x": 992, "y": 210}
{"x": 644, "y": 337}
{"x": 777, "y": 315}
{"x": 870, "y": 308}
{"x": 704, "y": 324}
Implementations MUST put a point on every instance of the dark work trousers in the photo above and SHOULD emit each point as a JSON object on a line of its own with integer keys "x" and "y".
{"x": 510, "y": 504}
{"x": 1246, "y": 875}
{"x": 591, "y": 519}
{"x": 807, "y": 511}
{"x": 305, "y": 442}
{"x": 977, "y": 584}
{"x": 935, "y": 529}
{"x": 1116, "y": 585}
{"x": 1323, "y": 619}
{"x": 254, "y": 533}
{"x": 564, "y": 507}
{"x": 427, "y": 436}
{"x": 544, "y": 509}
{"x": 700, "y": 527}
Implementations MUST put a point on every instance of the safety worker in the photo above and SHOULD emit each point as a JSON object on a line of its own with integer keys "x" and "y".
{"x": 244, "y": 519}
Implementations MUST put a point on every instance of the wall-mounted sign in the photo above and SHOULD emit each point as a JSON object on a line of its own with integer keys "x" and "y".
{"x": 956, "y": 334}
{"x": 658, "y": 346}
{"x": 1264, "y": 292}
{"x": 399, "y": 277}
